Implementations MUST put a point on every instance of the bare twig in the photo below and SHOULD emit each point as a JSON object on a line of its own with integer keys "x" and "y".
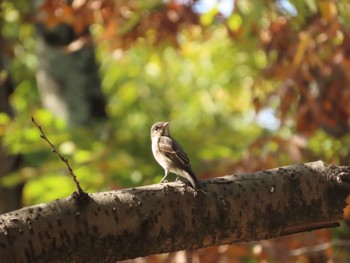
{"x": 63, "y": 159}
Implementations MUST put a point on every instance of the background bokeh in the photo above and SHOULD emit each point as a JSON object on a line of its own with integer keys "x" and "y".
{"x": 246, "y": 84}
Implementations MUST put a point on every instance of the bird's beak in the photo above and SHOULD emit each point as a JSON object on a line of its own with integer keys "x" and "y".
{"x": 165, "y": 124}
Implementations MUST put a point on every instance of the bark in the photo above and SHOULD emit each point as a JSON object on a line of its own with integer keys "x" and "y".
{"x": 168, "y": 217}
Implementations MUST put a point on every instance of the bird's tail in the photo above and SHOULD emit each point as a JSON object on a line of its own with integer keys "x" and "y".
{"x": 190, "y": 176}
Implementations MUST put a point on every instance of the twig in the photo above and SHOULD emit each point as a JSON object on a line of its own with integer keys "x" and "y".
{"x": 63, "y": 159}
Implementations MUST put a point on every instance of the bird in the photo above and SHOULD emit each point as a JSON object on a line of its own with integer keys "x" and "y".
{"x": 170, "y": 155}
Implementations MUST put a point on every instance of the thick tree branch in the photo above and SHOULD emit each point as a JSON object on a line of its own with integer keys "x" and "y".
{"x": 161, "y": 218}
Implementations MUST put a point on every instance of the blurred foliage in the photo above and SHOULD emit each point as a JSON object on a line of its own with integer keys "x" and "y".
{"x": 265, "y": 86}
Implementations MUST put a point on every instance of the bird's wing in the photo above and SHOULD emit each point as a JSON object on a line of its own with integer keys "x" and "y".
{"x": 173, "y": 150}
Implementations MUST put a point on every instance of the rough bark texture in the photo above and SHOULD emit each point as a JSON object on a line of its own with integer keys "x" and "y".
{"x": 161, "y": 218}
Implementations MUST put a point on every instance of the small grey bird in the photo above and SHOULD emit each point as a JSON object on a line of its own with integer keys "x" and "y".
{"x": 170, "y": 155}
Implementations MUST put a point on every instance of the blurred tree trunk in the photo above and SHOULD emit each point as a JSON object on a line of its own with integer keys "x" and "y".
{"x": 10, "y": 198}
{"x": 67, "y": 74}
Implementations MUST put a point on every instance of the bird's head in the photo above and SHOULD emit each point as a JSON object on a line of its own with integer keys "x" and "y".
{"x": 160, "y": 129}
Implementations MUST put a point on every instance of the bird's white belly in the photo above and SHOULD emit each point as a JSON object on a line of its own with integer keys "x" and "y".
{"x": 160, "y": 158}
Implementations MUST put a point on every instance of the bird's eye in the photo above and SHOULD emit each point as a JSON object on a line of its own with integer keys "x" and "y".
{"x": 156, "y": 128}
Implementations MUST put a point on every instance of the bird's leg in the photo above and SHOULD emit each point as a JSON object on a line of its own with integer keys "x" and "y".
{"x": 166, "y": 174}
{"x": 177, "y": 178}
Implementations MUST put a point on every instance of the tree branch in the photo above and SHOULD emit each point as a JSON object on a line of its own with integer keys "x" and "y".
{"x": 80, "y": 194}
{"x": 167, "y": 217}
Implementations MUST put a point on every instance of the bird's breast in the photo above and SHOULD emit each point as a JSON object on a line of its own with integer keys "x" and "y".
{"x": 159, "y": 156}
